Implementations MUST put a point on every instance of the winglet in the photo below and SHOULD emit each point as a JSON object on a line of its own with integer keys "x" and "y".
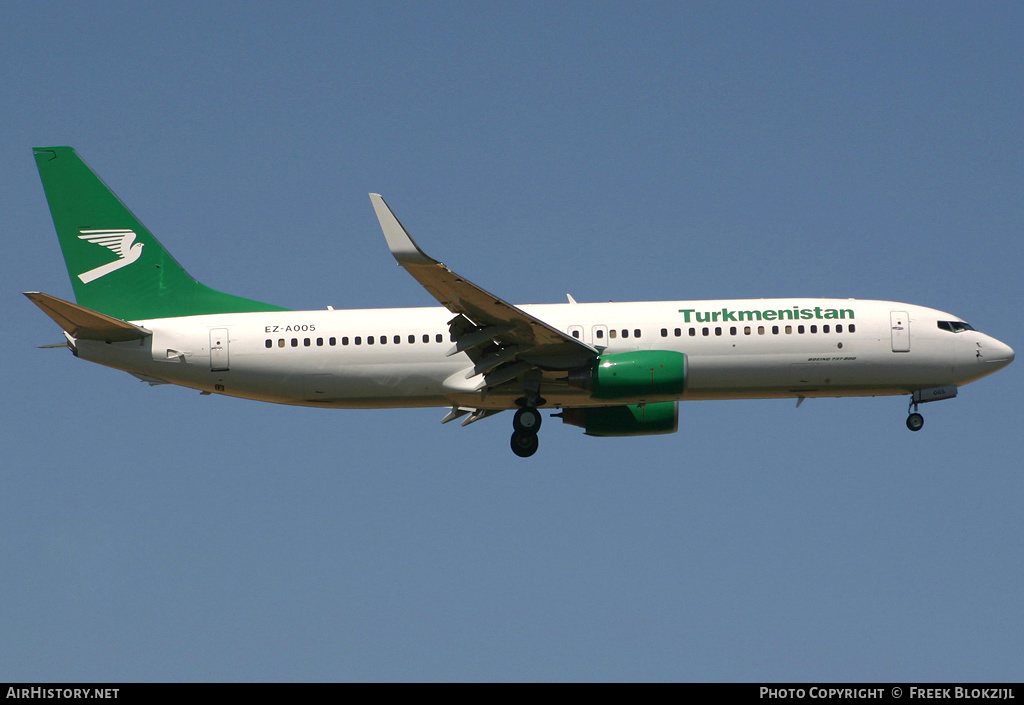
{"x": 402, "y": 246}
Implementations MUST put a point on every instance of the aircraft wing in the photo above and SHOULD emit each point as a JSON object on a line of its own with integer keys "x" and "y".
{"x": 489, "y": 329}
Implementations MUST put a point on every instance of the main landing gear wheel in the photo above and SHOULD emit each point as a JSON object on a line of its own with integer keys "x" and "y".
{"x": 915, "y": 422}
{"x": 527, "y": 420}
{"x": 524, "y": 444}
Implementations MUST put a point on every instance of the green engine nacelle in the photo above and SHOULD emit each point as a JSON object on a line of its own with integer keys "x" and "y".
{"x": 631, "y": 420}
{"x": 638, "y": 375}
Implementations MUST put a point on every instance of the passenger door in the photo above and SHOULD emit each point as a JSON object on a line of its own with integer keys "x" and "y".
{"x": 900, "y": 323}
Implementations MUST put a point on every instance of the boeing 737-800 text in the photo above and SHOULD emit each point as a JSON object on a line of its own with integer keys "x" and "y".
{"x": 615, "y": 369}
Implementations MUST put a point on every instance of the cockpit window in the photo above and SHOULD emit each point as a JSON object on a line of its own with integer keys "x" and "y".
{"x": 955, "y": 326}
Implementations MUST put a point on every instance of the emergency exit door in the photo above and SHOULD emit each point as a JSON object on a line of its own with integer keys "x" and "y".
{"x": 218, "y": 349}
{"x": 900, "y": 321}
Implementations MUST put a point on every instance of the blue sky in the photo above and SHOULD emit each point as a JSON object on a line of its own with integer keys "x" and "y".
{"x": 614, "y": 151}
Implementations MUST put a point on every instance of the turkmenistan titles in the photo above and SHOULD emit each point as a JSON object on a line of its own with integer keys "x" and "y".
{"x": 772, "y": 314}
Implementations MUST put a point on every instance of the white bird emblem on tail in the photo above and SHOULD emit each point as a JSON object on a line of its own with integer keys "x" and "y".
{"x": 117, "y": 241}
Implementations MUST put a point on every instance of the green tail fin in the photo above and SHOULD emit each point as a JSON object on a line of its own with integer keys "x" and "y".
{"x": 116, "y": 265}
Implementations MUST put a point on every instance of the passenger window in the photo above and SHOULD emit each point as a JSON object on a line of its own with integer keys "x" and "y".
{"x": 599, "y": 334}
{"x": 412, "y": 339}
{"x": 295, "y": 342}
{"x": 319, "y": 342}
{"x": 576, "y": 334}
{"x": 824, "y": 329}
{"x": 334, "y": 341}
{"x": 383, "y": 340}
{"x": 426, "y": 338}
{"x": 705, "y": 331}
{"x": 636, "y": 333}
{"x": 732, "y": 330}
{"x": 664, "y": 332}
{"x": 397, "y": 340}
{"x": 839, "y": 328}
{"x": 625, "y": 333}
{"x": 852, "y": 328}
{"x": 306, "y": 342}
{"x": 814, "y": 329}
{"x": 789, "y": 330}
{"x": 280, "y": 342}
{"x": 439, "y": 338}
{"x": 270, "y": 343}
{"x": 359, "y": 340}
{"x": 679, "y": 332}
{"x": 611, "y": 333}
{"x": 800, "y": 329}
{"x": 746, "y": 330}
{"x": 775, "y": 330}
{"x": 693, "y": 332}
{"x": 718, "y": 331}
{"x": 760, "y": 330}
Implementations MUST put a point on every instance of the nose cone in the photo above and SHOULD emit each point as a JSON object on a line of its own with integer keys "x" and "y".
{"x": 997, "y": 354}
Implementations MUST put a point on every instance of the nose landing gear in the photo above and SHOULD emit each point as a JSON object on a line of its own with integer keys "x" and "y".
{"x": 915, "y": 422}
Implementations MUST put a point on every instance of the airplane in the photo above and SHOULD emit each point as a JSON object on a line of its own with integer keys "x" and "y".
{"x": 614, "y": 369}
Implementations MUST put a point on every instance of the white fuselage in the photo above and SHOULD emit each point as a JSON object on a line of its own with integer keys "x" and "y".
{"x": 736, "y": 349}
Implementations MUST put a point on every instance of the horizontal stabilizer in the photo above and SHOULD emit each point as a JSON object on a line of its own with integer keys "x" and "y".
{"x": 84, "y": 323}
